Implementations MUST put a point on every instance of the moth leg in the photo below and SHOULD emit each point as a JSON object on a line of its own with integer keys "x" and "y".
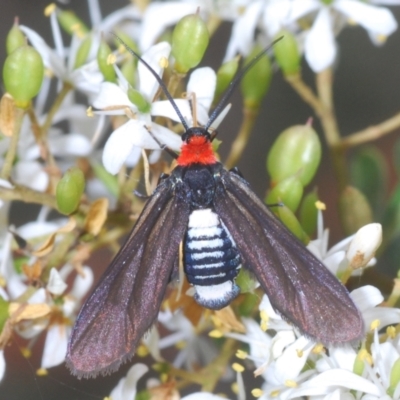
{"x": 162, "y": 146}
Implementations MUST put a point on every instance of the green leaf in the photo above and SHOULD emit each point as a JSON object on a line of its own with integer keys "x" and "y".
{"x": 391, "y": 218}
{"x": 396, "y": 157}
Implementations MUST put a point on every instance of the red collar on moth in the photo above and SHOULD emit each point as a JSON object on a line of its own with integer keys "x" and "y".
{"x": 197, "y": 150}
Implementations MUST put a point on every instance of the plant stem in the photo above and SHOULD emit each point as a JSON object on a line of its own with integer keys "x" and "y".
{"x": 331, "y": 131}
{"x": 12, "y": 150}
{"x": 54, "y": 108}
{"x": 27, "y": 195}
{"x": 305, "y": 92}
{"x": 372, "y": 132}
{"x": 240, "y": 142}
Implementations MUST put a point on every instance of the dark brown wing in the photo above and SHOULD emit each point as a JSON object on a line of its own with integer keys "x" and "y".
{"x": 127, "y": 299}
{"x": 298, "y": 285}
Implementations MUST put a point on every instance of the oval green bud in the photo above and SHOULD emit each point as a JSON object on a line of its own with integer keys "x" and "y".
{"x": 296, "y": 151}
{"x": 189, "y": 42}
{"x": 225, "y": 74}
{"x": 358, "y": 366}
{"x": 354, "y": 210}
{"x": 139, "y": 101}
{"x": 287, "y": 53}
{"x": 255, "y": 83}
{"x": 71, "y": 23}
{"x": 83, "y": 51}
{"x": 128, "y": 69}
{"x": 289, "y": 191}
{"x": 245, "y": 281}
{"x": 69, "y": 190}
{"x": 106, "y": 68}
{"x": 15, "y": 39}
{"x": 291, "y": 222}
{"x": 309, "y": 213}
{"x": 23, "y": 74}
{"x": 128, "y": 41}
{"x": 394, "y": 377}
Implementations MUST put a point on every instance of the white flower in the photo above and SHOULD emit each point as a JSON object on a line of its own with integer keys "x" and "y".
{"x": 270, "y": 15}
{"x": 126, "y": 387}
{"x": 319, "y": 46}
{"x": 58, "y": 333}
{"x": 359, "y": 248}
{"x": 364, "y": 245}
{"x": 134, "y": 135}
{"x": 61, "y": 62}
{"x": 196, "y": 349}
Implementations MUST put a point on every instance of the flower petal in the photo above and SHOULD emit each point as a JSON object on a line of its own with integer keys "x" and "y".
{"x": 320, "y": 46}
{"x": 166, "y": 137}
{"x": 55, "y": 346}
{"x": 126, "y": 387}
{"x": 164, "y": 108}
{"x": 82, "y": 284}
{"x": 242, "y": 36}
{"x": 377, "y": 20}
{"x": 366, "y": 297}
{"x": 56, "y": 285}
{"x": 148, "y": 84}
{"x": 202, "y": 82}
{"x": 111, "y": 95}
{"x": 119, "y": 145}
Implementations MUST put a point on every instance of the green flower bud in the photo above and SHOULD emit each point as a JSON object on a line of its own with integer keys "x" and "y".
{"x": 128, "y": 69}
{"x": 354, "y": 210}
{"x": 189, "y": 42}
{"x": 225, "y": 74}
{"x": 245, "y": 281}
{"x": 309, "y": 213}
{"x": 255, "y": 83}
{"x": 296, "y": 151}
{"x": 394, "y": 377}
{"x": 139, "y": 101}
{"x": 69, "y": 190}
{"x": 106, "y": 68}
{"x": 71, "y": 23}
{"x": 15, "y": 39}
{"x": 291, "y": 222}
{"x": 4, "y": 314}
{"x": 83, "y": 51}
{"x": 289, "y": 191}
{"x": 128, "y": 41}
{"x": 23, "y": 74}
{"x": 362, "y": 357}
{"x": 287, "y": 53}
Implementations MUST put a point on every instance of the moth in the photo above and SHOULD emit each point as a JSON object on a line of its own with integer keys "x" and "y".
{"x": 223, "y": 226}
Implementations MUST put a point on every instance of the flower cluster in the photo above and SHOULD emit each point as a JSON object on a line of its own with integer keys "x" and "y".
{"x": 82, "y": 123}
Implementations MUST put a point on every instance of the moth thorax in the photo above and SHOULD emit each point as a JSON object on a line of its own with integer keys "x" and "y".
{"x": 211, "y": 260}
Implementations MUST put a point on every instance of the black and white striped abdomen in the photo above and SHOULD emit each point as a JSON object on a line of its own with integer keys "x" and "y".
{"x": 211, "y": 260}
